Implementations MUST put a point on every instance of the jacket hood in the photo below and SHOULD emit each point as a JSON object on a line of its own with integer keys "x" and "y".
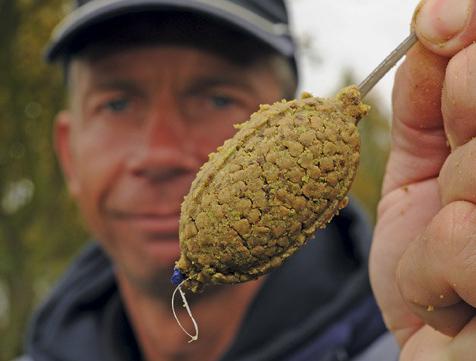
{"x": 83, "y": 319}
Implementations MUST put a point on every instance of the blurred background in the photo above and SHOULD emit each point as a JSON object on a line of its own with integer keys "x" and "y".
{"x": 40, "y": 231}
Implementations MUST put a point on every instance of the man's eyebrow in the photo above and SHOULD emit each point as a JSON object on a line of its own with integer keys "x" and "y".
{"x": 116, "y": 84}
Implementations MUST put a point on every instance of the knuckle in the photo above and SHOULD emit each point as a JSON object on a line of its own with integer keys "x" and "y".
{"x": 454, "y": 243}
{"x": 460, "y": 82}
{"x": 457, "y": 178}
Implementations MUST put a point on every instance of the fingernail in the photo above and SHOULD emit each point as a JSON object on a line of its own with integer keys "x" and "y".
{"x": 440, "y": 20}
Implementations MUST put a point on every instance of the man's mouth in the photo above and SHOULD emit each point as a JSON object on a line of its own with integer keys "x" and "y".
{"x": 159, "y": 226}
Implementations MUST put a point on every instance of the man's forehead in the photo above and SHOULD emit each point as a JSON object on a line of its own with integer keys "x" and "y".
{"x": 107, "y": 58}
{"x": 147, "y": 64}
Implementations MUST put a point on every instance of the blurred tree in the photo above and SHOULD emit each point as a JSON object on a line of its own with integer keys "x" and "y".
{"x": 39, "y": 230}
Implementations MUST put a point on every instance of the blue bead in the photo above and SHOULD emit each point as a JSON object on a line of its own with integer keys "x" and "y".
{"x": 177, "y": 277}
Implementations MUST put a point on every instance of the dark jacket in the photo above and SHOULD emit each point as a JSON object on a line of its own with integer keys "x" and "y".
{"x": 318, "y": 306}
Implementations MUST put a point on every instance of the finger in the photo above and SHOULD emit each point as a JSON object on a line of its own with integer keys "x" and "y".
{"x": 427, "y": 344}
{"x": 457, "y": 180}
{"x": 446, "y": 26}
{"x": 418, "y": 138}
{"x": 463, "y": 347}
{"x": 436, "y": 273}
{"x": 400, "y": 221}
{"x": 458, "y": 99}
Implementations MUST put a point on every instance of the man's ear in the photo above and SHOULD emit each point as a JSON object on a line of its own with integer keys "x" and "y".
{"x": 63, "y": 147}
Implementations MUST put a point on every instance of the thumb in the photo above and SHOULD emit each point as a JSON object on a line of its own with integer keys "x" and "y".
{"x": 445, "y": 26}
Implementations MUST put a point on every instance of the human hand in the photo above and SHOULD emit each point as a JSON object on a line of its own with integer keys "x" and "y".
{"x": 423, "y": 259}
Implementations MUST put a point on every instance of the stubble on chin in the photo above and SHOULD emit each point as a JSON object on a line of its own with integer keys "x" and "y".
{"x": 158, "y": 286}
{"x": 155, "y": 285}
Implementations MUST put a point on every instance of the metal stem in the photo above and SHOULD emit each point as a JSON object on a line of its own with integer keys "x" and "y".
{"x": 386, "y": 64}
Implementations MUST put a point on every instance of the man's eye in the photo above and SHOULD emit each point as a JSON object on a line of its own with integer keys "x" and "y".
{"x": 117, "y": 105}
{"x": 220, "y": 101}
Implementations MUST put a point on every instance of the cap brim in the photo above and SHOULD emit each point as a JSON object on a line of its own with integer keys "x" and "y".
{"x": 275, "y": 35}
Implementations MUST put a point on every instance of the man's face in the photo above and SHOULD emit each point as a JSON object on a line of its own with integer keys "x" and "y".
{"x": 141, "y": 123}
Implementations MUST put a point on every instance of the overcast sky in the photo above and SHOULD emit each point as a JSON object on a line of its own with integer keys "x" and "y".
{"x": 350, "y": 34}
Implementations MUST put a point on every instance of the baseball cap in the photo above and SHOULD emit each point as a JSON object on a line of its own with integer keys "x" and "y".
{"x": 264, "y": 20}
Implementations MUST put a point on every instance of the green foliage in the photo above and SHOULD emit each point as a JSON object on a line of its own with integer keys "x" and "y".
{"x": 39, "y": 230}
{"x": 375, "y": 145}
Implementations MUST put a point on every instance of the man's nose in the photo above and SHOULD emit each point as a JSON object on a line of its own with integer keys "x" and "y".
{"x": 164, "y": 149}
